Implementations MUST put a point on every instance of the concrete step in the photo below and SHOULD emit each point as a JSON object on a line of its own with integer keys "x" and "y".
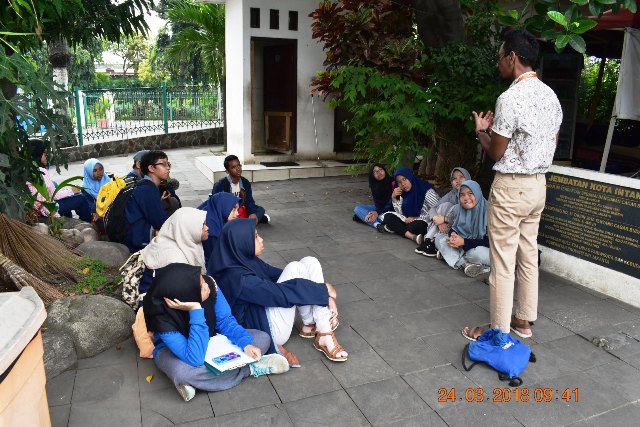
{"x": 212, "y": 167}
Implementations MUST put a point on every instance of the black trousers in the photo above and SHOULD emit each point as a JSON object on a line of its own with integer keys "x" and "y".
{"x": 398, "y": 226}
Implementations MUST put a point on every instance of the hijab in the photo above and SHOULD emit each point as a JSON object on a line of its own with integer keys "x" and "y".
{"x": 412, "y": 200}
{"x": 472, "y": 223}
{"x": 179, "y": 241}
{"x": 91, "y": 185}
{"x": 182, "y": 282}
{"x": 218, "y": 207}
{"x": 467, "y": 177}
{"x": 235, "y": 257}
{"x": 380, "y": 190}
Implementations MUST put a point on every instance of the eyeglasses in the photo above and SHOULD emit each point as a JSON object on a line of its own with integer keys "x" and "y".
{"x": 166, "y": 165}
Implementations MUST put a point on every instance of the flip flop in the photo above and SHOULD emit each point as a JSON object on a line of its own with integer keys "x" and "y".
{"x": 472, "y": 334}
{"x": 515, "y": 330}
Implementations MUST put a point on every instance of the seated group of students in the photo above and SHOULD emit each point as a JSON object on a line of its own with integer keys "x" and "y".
{"x": 203, "y": 276}
{"x": 452, "y": 227}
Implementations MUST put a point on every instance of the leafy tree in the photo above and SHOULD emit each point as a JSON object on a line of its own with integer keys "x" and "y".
{"x": 198, "y": 35}
{"x": 132, "y": 50}
{"x": 156, "y": 68}
{"x": 24, "y": 25}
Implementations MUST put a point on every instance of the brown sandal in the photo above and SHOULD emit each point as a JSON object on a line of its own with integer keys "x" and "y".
{"x": 312, "y": 334}
{"x": 291, "y": 358}
{"x": 337, "y": 348}
{"x": 472, "y": 334}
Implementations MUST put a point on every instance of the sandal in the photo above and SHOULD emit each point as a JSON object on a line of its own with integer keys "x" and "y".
{"x": 472, "y": 334}
{"x": 312, "y": 333}
{"x": 518, "y": 326}
{"x": 291, "y": 358}
{"x": 337, "y": 348}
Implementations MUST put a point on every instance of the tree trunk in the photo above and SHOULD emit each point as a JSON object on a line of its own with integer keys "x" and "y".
{"x": 59, "y": 56}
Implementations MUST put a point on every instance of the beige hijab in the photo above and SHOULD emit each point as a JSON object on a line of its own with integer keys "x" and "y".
{"x": 179, "y": 241}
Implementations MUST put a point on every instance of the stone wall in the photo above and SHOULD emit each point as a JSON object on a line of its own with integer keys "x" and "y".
{"x": 214, "y": 136}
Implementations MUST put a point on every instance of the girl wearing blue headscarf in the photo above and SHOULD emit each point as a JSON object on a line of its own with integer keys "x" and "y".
{"x": 94, "y": 179}
{"x": 412, "y": 199}
{"x": 265, "y": 297}
{"x": 220, "y": 208}
{"x": 467, "y": 245}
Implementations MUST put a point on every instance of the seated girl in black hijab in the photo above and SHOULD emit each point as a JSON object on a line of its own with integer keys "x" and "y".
{"x": 184, "y": 309}
{"x": 266, "y": 298}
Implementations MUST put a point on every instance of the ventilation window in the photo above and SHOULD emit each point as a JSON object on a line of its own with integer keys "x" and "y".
{"x": 274, "y": 19}
{"x": 254, "y": 17}
{"x": 293, "y": 20}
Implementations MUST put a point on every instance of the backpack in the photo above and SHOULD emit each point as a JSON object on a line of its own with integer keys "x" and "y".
{"x": 108, "y": 193}
{"x": 131, "y": 272}
{"x": 502, "y": 352}
{"x": 115, "y": 224}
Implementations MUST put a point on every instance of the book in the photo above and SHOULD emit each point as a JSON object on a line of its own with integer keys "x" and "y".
{"x": 224, "y": 356}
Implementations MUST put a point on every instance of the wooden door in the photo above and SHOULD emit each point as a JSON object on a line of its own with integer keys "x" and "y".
{"x": 280, "y": 96}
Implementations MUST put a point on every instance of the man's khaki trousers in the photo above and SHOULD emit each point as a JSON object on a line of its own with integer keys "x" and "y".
{"x": 516, "y": 202}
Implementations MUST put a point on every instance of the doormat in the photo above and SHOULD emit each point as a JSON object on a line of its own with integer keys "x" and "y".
{"x": 277, "y": 164}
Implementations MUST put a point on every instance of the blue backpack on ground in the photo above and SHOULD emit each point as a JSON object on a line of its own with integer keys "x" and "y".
{"x": 502, "y": 352}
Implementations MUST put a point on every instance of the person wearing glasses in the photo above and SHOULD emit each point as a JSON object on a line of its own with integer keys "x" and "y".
{"x": 521, "y": 137}
{"x": 144, "y": 212}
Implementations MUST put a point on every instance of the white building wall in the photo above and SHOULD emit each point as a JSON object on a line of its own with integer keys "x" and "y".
{"x": 309, "y": 57}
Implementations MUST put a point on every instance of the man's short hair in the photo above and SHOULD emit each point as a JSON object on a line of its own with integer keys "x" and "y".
{"x": 229, "y": 159}
{"x": 151, "y": 158}
{"x": 524, "y": 44}
{"x": 138, "y": 157}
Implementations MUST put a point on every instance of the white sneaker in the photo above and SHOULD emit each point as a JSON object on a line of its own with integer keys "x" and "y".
{"x": 269, "y": 364}
{"x": 187, "y": 392}
{"x": 267, "y": 218}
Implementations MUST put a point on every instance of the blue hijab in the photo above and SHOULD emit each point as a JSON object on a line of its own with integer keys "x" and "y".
{"x": 93, "y": 186}
{"x": 235, "y": 257}
{"x": 218, "y": 207}
{"x": 412, "y": 200}
{"x": 472, "y": 223}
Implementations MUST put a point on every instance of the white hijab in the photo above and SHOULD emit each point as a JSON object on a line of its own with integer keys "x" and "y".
{"x": 179, "y": 241}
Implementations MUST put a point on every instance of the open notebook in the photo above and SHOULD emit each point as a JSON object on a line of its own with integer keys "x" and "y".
{"x": 223, "y": 356}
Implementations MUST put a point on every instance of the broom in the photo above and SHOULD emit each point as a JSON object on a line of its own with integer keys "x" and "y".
{"x": 41, "y": 255}
{"x": 12, "y": 273}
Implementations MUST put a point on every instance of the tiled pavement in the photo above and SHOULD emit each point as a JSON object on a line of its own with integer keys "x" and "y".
{"x": 400, "y": 316}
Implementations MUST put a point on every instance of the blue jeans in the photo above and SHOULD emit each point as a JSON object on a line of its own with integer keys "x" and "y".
{"x": 77, "y": 203}
{"x": 457, "y": 257}
{"x": 90, "y": 200}
{"x": 361, "y": 212}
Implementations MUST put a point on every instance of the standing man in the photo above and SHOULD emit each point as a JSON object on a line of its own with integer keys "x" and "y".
{"x": 521, "y": 137}
{"x": 235, "y": 184}
{"x": 144, "y": 212}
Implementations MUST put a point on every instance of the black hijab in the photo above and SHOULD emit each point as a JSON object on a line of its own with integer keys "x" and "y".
{"x": 380, "y": 190}
{"x": 181, "y": 281}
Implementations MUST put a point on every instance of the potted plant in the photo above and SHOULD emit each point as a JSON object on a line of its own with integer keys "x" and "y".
{"x": 102, "y": 106}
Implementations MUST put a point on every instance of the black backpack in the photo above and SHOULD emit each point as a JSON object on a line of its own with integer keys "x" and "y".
{"x": 115, "y": 224}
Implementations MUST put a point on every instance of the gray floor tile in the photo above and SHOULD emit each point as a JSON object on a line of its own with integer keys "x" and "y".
{"x": 349, "y": 292}
{"x": 107, "y": 414}
{"x": 250, "y": 393}
{"x": 361, "y": 311}
{"x": 589, "y": 316}
{"x": 448, "y": 345}
{"x": 428, "y": 384}
{"x": 462, "y": 315}
{"x": 484, "y": 413}
{"x": 425, "y": 419}
{"x": 426, "y": 322}
{"x": 123, "y": 353}
{"x": 329, "y": 409}
{"x": 545, "y": 329}
{"x": 581, "y": 354}
{"x": 297, "y": 254}
{"x": 60, "y": 388}
{"x": 311, "y": 379}
{"x": 158, "y": 380}
{"x": 361, "y": 368}
{"x": 382, "y": 331}
{"x": 377, "y": 288}
{"x": 387, "y": 401}
{"x": 471, "y": 291}
{"x": 275, "y": 416}
{"x": 625, "y": 378}
{"x": 166, "y": 407}
{"x": 410, "y": 356}
{"x": 626, "y": 415}
{"x": 435, "y": 296}
{"x": 59, "y": 415}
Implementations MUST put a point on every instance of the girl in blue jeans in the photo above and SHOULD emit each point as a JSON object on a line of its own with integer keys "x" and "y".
{"x": 380, "y": 184}
{"x": 467, "y": 244}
